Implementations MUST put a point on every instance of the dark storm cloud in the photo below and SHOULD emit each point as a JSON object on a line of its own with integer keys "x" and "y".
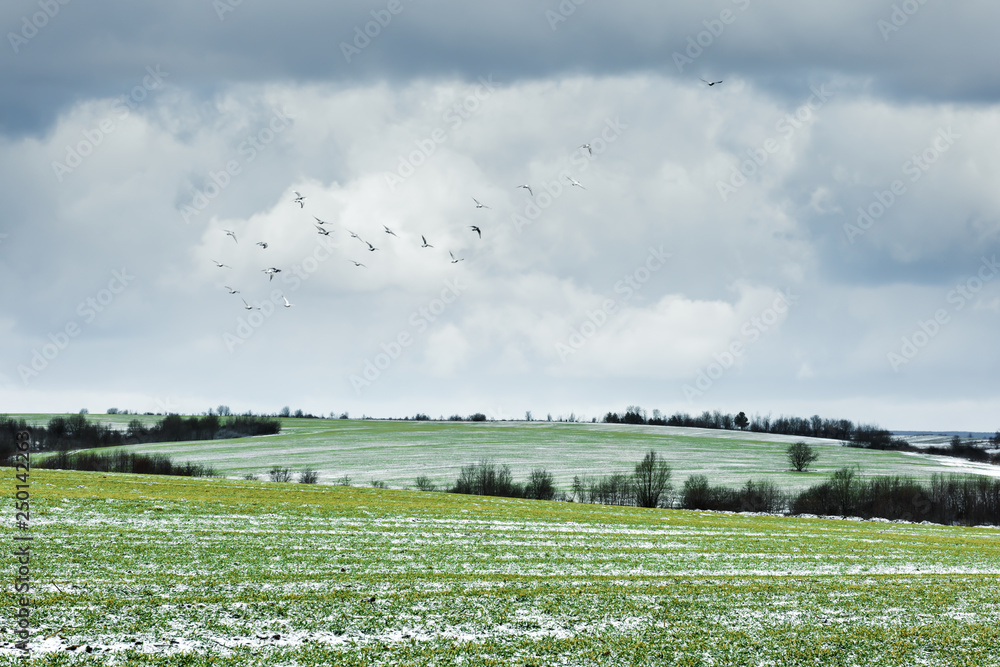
{"x": 57, "y": 52}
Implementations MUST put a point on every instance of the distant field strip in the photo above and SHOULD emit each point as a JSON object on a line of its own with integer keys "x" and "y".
{"x": 179, "y": 571}
{"x": 396, "y": 452}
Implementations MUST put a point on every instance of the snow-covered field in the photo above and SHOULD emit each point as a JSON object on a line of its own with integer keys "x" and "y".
{"x": 397, "y": 452}
{"x": 134, "y": 570}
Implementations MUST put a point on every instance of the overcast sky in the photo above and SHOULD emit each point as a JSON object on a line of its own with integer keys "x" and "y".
{"x": 816, "y": 234}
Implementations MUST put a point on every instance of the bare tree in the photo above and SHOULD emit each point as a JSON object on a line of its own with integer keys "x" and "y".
{"x": 651, "y": 480}
{"x": 279, "y": 474}
{"x": 540, "y": 485}
{"x": 800, "y": 455}
{"x": 309, "y": 476}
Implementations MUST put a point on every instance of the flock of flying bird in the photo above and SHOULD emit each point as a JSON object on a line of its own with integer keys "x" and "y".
{"x": 321, "y": 229}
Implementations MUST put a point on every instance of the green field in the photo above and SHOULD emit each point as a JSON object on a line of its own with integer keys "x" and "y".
{"x": 179, "y": 571}
{"x": 396, "y": 452}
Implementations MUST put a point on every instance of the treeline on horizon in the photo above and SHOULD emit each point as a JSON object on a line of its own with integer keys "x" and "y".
{"x": 866, "y": 436}
{"x": 77, "y": 432}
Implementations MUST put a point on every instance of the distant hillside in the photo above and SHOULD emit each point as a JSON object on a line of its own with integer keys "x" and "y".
{"x": 397, "y": 452}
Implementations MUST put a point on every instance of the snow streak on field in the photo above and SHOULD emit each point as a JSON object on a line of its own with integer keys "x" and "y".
{"x": 170, "y": 571}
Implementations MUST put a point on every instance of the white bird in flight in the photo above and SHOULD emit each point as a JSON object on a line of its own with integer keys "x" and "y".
{"x": 270, "y": 273}
{"x": 528, "y": 188}
{"x": 229, "y": 233}
{"x": 322, "y": 222}
{"x": 454, "y": 260}
{"x": 299, "y": 199}
{"x": 587, "y": 146}
{"x": 353, "y": 235}
{"x": 389, "y": 231}
{"x": 287, "y": 305}
{"x": 246, "y": 305}
{"x": 322, "y": 230}
{"x": 573, "y": 181}
{"x": 426, "y": 244}
{"x": 710, "y": 83}
{"x": 231, "y": 290}
{"x": 371, "y": 248}
{"x": 479, "y": 205}
{"x": 356, "y": 263}
{"x": 221, "y": 265}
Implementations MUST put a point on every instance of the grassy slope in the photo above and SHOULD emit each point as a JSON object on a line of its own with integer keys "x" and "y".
{"x": 210, "y": 564}
{"x": 396, "y": 452}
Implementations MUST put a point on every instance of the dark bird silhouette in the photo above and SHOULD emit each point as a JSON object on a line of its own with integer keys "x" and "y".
{"x": 711, "y": 83}
{"x": 477, "y": 230}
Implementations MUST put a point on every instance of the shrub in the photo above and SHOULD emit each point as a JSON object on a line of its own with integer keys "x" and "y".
{"x": 487, "y": 479}
{"x": 279, "y": 474}
{"x": 125, "y": 462}
{"x": 698, "y": 494}
{"x": 763, "y": 496}
{"x": 424, "y": 483}
{"x": 309, "y": 476}
{"x": 540, "y": 485}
